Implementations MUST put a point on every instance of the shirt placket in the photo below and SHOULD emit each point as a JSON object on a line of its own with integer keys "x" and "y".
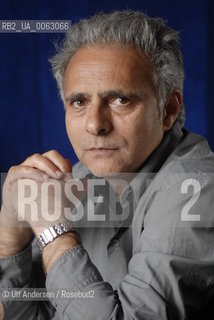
{"x": 119, "y": 248}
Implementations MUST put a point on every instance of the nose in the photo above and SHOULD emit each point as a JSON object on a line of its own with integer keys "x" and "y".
{"x": 99, "y": 120}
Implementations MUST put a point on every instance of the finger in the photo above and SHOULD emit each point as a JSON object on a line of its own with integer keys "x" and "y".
{"x": 42, "y": 163}
{"x": 25, "y": 172}
{"x": 62, "y": 163}
{"x": 67, "y": 176}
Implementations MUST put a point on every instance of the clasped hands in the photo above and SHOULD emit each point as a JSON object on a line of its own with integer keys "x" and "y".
{"x": 17, "y": 225}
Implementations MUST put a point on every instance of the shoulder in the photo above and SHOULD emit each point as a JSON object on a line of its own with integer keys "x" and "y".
{"x": 193, "y": 147}
{"x": 192, "y": 158}
{"x": 176, "y": 211}
{"x": 183, "y": 186}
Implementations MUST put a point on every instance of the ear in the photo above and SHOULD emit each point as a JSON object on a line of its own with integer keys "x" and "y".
{"x": 171, "y": 109}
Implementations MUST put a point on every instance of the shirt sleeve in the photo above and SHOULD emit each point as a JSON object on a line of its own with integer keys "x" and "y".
{"x": 170, "y": 275}
{"x": 17, "y": 272}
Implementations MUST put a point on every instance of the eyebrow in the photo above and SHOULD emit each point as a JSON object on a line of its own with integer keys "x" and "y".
{"x": 104, "y": 94}
{"x": 117, "y": 93}
{"x": 77, "y": 96}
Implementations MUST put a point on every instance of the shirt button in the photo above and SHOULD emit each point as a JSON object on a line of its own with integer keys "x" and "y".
{"x": 116, "y": 243}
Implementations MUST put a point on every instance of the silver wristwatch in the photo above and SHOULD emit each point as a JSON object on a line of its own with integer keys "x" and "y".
{"x": 53, "y": 232}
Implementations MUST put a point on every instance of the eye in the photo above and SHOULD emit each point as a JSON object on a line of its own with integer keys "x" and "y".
{"x": 122, "y": 100}
{"x": 119, "y": 101}
{"x": 77, "y": 103}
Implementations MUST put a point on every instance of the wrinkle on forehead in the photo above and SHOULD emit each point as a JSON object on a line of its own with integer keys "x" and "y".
{"x": 109, "y": 63}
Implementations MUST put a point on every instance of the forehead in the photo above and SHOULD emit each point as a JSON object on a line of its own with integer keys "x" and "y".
{"x": 108, "y": 65}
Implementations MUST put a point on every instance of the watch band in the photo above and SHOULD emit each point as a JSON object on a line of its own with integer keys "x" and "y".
{"x": 53, "y": 232}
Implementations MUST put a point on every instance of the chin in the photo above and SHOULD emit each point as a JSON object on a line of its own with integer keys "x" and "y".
{"x": 106, "y": 174}
{"x": 105, "y": 171}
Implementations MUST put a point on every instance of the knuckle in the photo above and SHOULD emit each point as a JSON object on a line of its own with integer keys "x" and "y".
{"x": 53, "y": 152}
{"x": 12, "y": 169}
{"x": 34, "y": 156}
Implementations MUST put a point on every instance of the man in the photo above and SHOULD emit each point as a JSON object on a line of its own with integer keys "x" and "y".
{"x": 120, "y": 76}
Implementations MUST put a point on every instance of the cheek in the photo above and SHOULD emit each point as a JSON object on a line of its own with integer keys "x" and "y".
{"x": 68, "y": 125}
{"x": 135, "y": 128}
{"x": 72, "y": 129}
{"x": 143, "y": 129}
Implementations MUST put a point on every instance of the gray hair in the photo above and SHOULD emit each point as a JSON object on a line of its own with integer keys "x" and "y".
{"x": 149, "y": 35}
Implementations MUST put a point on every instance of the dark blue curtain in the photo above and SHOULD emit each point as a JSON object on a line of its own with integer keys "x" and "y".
{"x": 31, "y": 113}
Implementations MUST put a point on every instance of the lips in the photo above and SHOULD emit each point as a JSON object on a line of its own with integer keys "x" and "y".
{"x": 101, "y": 149}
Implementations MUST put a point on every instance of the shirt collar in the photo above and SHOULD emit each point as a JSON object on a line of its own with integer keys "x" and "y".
{"x": 153, "y": 164}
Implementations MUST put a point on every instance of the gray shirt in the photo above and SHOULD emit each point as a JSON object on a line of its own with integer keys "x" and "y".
{"x": 158, "y": 264}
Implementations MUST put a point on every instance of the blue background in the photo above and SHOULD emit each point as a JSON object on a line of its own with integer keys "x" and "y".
{"x": 31, "y": 113}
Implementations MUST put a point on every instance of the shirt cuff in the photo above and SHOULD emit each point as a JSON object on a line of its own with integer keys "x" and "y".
{"x": 15, "y": 270}
{"x": 74, "y": 274}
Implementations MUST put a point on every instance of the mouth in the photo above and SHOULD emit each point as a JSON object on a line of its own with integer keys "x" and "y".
{"x": 102, "y": 150}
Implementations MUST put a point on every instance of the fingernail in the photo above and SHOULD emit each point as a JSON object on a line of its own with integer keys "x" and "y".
{"x": 59, "y": 173}
{"x": 45, "y": 176}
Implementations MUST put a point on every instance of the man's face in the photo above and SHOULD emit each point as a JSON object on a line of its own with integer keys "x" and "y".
{"x": 112, "y": 116}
